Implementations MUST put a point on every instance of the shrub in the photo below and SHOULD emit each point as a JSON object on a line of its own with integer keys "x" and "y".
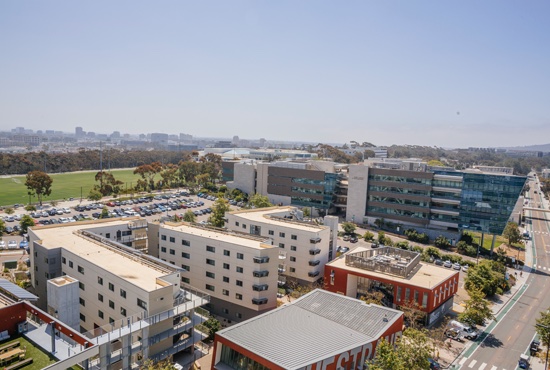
{"x": 402, "y": 245}
{"x": 415, "y": 236}
{"x": 442, "y": 242}
{"x": 432, "y": 252}
{"x": 368, "y": 236}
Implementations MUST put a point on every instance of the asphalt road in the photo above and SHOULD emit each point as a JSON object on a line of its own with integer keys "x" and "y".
{"x": 515, "y": 328}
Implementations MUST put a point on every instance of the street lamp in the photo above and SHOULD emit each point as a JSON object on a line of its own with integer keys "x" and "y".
{"x": 547, "y": 340}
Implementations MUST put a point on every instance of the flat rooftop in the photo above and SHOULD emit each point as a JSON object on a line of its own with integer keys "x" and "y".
{"x": 424, "y": 275}
{"x": 247, "y": 240}
{"x": 127, "y": 266}
{"x": 312, "y": 328}
{"x": 274, "y": 216}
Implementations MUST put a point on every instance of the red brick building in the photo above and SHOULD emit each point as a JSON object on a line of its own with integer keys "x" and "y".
{"x": 321, "y": 330}
{"x": 399, "y": 274}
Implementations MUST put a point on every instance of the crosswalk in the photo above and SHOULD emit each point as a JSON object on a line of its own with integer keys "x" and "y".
{"x": 541, "y": 232}
{"x": 472, "y": 365}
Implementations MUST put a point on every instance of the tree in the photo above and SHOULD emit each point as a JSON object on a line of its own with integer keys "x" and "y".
{"x": 373, "y": 297}
{"x": 9, "y": 211}
{"x": 512, "y": 233}
{"x": 94, "y": 195}
{"x": 442, "y": 242}
{"x": 349, "y": 228}
{"x": 189, "y": 216}
{"x": 368, "y": 236}
{"x": 2, "y": 227}
{"x": 487, "y": 276}
{"x": 213, "y": 326}
{"x": 107, "y": 183}
{"x": 411, "y": 352}
{"x": 542, "y": 327}
{"x": 148, "y": 173}
{"x": 259, "y": 201}
{"x": 104, "y": 213}
{"x": 412, "y": 314}
{"x": 30, "y": 208}
{"x": 39, "y": 183}
{"x": 477, "y": 309}
{"x": 306, "y": 212}
{"x": 381, "y": 237}
{"x": 161, "y": 365}
{"x": 25, "y": 222}
{"x": 217, "y": 217}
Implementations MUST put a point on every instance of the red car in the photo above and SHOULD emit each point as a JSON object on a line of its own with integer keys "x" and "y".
{"x": 111, "y": 204}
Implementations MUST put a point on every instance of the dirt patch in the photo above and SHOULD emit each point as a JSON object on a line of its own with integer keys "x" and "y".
{"x": 518, "y": 254}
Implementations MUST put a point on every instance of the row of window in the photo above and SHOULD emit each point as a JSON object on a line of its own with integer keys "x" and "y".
{"x": 211, "y": 249}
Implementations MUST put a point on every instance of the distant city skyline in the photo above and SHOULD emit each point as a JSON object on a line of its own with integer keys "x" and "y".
{"x": 465, "y": 74}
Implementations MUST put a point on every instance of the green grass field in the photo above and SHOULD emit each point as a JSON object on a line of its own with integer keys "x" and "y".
{"x": 64, "y": 186}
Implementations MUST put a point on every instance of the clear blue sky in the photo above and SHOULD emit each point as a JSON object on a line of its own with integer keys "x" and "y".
{"x": 452, "y": 74}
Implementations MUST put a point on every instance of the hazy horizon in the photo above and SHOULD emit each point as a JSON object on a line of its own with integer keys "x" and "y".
{"x": 465, "y": 74}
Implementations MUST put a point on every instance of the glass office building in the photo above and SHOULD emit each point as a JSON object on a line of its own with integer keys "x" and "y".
{"x": 487, "y": 201}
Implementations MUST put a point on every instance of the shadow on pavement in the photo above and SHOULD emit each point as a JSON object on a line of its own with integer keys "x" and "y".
{"x": 491, "y": 341}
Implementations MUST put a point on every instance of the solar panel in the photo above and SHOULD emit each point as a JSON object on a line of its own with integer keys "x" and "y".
{"x": 16, "y": 291}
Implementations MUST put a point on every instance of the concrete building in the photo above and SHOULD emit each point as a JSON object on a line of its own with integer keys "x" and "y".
{"x": 304, "y": 248}
{"x": 438, "y": 201}
{"x": 119, "y": 288}
{"x": 379, "y": 152}
{"x": 495, "y": 169}
{"x": 320, "y": 330}
{"x": 545, "y": 173}
{"x": 399, "y": 275}
{"x": 237, "y": 269}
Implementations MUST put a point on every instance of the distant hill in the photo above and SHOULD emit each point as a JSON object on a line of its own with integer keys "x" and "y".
{"x": 531, "y": 148}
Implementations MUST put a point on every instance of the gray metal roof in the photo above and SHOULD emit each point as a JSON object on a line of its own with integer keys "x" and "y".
{"x": 16, "y": 291}
{"x": 314, "y": 327}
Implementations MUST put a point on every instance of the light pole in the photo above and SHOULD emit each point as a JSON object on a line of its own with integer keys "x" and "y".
{"x": 547, "y": 340}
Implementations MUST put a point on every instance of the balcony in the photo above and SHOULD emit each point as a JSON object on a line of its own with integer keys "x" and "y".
{"x": 281, "y": 269}
{"x": 314, "y": 263}
{"x": 259, "y": 274}
{"x": 282, "y": 255}
{"x": 315, "y": 251}
{"x": 260, "y": 287}
{"x": 313, "y": 273}
{"x": 260, "y": 259}
{"x": 315, "y": 240}
{"x": 259, "y": 301}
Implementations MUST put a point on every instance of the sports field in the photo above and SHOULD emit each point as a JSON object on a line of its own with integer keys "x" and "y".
{"x": 64, "y": 186}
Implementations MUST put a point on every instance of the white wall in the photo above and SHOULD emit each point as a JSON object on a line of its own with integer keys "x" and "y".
{"x": 358, "y": 176}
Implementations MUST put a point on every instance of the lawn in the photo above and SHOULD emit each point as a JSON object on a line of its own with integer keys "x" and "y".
{"x": 40, "y": 358}
{"x": 488, "y": 240}
{"x": 64, "y": 186}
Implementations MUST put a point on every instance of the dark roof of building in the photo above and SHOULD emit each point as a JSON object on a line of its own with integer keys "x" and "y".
{"x": 15, "y": 291}
{"x": 314, "y": 327}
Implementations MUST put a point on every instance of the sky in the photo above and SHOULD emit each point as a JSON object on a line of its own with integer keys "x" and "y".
{"x": 437, "y": 73}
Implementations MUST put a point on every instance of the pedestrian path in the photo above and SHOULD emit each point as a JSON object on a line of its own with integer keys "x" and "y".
{"x": 474, "y": 364}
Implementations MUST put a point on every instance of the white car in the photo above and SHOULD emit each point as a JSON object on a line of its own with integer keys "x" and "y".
{"x": 447, "y": 264}
{"x": 457, "y": 266}
{"x": 12, "y": 244}
{"x": 2, "y": 244}
{"x": 465, "y": 268}
{"x": 67, "y": 210}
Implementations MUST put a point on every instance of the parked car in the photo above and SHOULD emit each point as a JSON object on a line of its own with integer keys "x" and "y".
{"x": 457, "y": 266}
{"x": 434, "y": 365}
{"x": 353, "y": 239}
{"x": 465, "y": 268}
{"x": 438, "y": 262}
{"x": 2, "y": 244}
{"x": 23, "y": 244}
{"x": 374, "y": 245}
{"x": 465, "y": 330}
{"x": 12, "y": 244}
{"x": 447, "y": 264}
{"x": 454, "y": 334}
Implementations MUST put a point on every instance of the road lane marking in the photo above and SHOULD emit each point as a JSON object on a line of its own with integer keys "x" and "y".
{"x": 482, "y": 366}
{"x": 464, "y": 359}
{"x": 472, "y": 364}
{"x": 494, "y": 367}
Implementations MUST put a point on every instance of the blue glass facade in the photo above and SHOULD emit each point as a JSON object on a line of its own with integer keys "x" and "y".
{"x": 319, "y": 197}
{"x": 487, "y": 201}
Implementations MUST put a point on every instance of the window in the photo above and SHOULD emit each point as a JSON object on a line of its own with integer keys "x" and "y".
{"x": 416, "y": 296}
{"x": 282, "y": 235}
{"x": 425, "y": 300}
{"x": 293, "y": 248}
{"x": 292, "y": 259}
{"x": 210, "y": 287}
{"x": 210, "y": 262}
{"x": 111, "y": 320}
{"x": 240, "y": 256}
{"x": 100, "y": 314}
{"x": 64, "y": 260}
{"x": 281, "y": 245}
{"x": 236, "y": 223}
{"x": 225, "y": 310}
{"x": 47, "y": 275}
{"x": 239, "y": 296}
{"x": 185, "y": 255}
{"x": 398, "y": 293}
{"x": 244, "y": 226}
{"x": 111, "y": 304}
{"x": 108, "y": 235}
{"x": 172, "y": 239}
{"x": 239, "y": 283}
{"x": 82, "y": 317}
{"x": 186, "y": 268}
{"x": 226, "y": 266}
{"x": 71, "y": 264}
{"x": 100, "y": 280}
{"x": 292, "y": 269}
{"x": 225, "y": 292}
{"x": 407, "y": 294}
{"x": 270, "y": 232}
{"x": 163, "y": 249}
{"x": 211, "y": 275}
{"x": 81, "y": 285}
{"x": 210, "y": 249}
{"x": 226, "y": 253}
{"x": 187, "y": 243}
{"x": 111, "y": 287}
{"x": 239, "y": 315}
{"x": 82, "y": 301}
{"x": 172, "y": 252}
{"x": 100, "y": 297}
{"x": 186, "y": 280}
{"x": 122, "y": 293}
{"x": 122, "y": 311}
{"x": 163, "y": 237}
{"x": 240, "y": 269}
{"x": 294, "y": 237}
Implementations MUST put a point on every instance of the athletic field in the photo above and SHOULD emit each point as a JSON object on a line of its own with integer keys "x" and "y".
{"x": 64, "y": 186}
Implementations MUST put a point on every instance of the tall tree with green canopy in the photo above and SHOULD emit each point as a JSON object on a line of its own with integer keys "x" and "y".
{"x": 39, "y": 183}
{"x": 217, "y": 217}
{"x": 411, "y": 352}
{"x": 260, "y": 201}
{"x": 512, "y": 233}
{"x": 189, "y": 216}
{"x": 477, "y": 308}
{"x": 25, "y": 222}
{"x": 349, "y": 228}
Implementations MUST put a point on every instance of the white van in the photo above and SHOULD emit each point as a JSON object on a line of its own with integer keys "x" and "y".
{"x": 466, "y": 330}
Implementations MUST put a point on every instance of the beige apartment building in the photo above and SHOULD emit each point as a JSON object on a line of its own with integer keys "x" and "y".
{"x": 130, "y": 304}
{"x": 237, "y": 270}
{"x": 304, "y": 248}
